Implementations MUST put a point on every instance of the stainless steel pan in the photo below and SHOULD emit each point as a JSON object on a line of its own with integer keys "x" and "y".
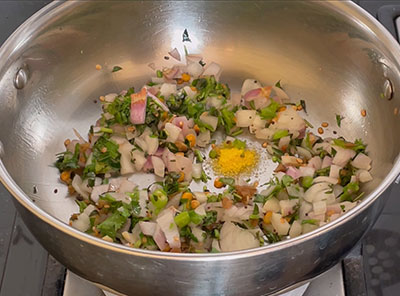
{"x": 330, "y": 53}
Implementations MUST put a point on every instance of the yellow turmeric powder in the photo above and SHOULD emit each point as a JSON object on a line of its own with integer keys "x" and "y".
{"x": 233, "y": 161}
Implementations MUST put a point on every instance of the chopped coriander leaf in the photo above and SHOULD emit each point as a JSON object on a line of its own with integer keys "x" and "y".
{"x": 214, "y": 250}
{"x": 303, "y": 105}
{"x": 239, "y": 144}
{"x": 210, "y": 218}
{"x": 339, "y": 119}
{"x": 256, "y": 213}
{"x": 159, "y": 74}
{"x": 310, "y": 221}
{"x": 195, "y": 218}
{"x": 199, "y": 156}
{"x": 324, "y": 171}
{"x": 348, "y": 191}
{"x": 287, "y": 180}
{"x": 213, "y": 154}
{"x": 227, "y": 181}
{"x": 252, "y": 105}
{"x": 116, "y": 69}
{"x": 82, "y": 205}
{"x": 307, "y": 181}
{"x": 269, "y": 112}
{"x": 308, "y": 123}
{"x": 278, "y": 84}
{"x": 227, "y": 119}
{"x": 67, "y": 160}
{"x": 280, "y": 134}
{"x": 272, "y": 237}
{"x": 111, "y": 225}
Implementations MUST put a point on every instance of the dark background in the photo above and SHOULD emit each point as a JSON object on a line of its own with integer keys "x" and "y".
{"x": 27, "y": 269}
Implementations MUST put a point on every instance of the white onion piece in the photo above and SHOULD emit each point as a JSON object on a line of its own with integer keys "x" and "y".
{"x": 173, "y": 132}
{"x": 213, "y": 69}
{"x": 201, "y": 210}
{"x": 327, "y": 161}
{"x": 317, "y": 192}
{"x": 78, "y": 135}
{"x": 160, "y": 238}
{"x": 343, "y": 156}
{"x": 306, "y": 228}
{"x": 148, "y": 228}
{"x": 287, "y": 206}
{"x": 307, "y": 171}
{"x": 295, "y": 191}
{"x": 158, "y": 165}
{"x": 295, "y": 229}
{"x": 250, "y": 84}
{"x": 304, "y": 209}
{"x": 281, "y": 93}
{"x": 234, "y": 238}
{"x": 362, "y": 162}
{"x": 194, "y": 70}
{"x": 197, "y": 170}
{"x": 210, "y": 120}
{"x": 290, "y": 120}
{"x": 271, "y": 205}
{"x": 152, "y": 144}
{"x": 203, "y": 139}
{"x": 198, "y": 233}
{"x": 236, "y": 99}
{"x": 265, "y": 134}
{"x": 158, "y": 102}
{"x": 193, "y": 58}
{"x": 97, "y": 191}
{"x": 175, "y": 54}
{"x": 315, "y": 163}
{"x": 288, "y": 160}
{"x": 138, "y": 159}
{"x": 200, "y": 196}
{"x": 293, "y": 172}
{"x": 319, "y": 207}
{"x": 284, "y": 142}
{"x": 215, "y": 245}
{"x": 167, "y": 224}
{"x": 174, "y": 201}
{"x": 334, "y": 171}
{"x": 141, "y": 143}
{"x": 184, "y": 164}
{"x": 157, "y": 80}
{"x": 364, "y": 176}
{"x": 257, "y": 124}
{"x": 189, "y": 92}
{"x": 167, "y": 89}
{"x": 324, "y": 146}
{"x": 280, "y": 224}
{"x": 79, "y": 187}
{"x": 126, "y": 186}
{"x": 304, "y": 152}
{"x": 245, "y": 117}
{"x": 324, "y": 179}
{"x": 82, "y": 223}
{"x": 127, "y": 167}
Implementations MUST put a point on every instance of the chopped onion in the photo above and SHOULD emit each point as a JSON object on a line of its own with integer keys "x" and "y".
{"x": 362, "y": 161}
{"x": 364, "y": 176}
{"x": 173, "y": 132}
{"x": 322, "y": 179}
{"x": 200, "y": 196}
{"x": 286, "y": 206}
{"x": 197, "y": 169}
{"x": 293, "y": 172}
{"x": 127, "y": 167}
{"x": 138, "y": 107}
{"x": 203, "y": 139}
{"x": 315, "y": 163}
{"x": 158, "y": 165}
{"x": 307, "y": 171}
{"x": 189, "y": 92}
{"x": 318, "y": 191}
{"x": 264, "y": 134}
{"x": 327, "y": 161}
{"x": 334, "y": 171}
{"x": 160, "y": 238}
{"x": 295, "y": 229}
{"x": 343, "y": 156}
{"x": 167, "y": 224}
{"x": 244, "y": 118}
{"x": 158, "y": 102}
{"x": 281, "y": 93}
{"x": 175, "y": 54}
{"x": 167, "y": 89}
{"x": 110, "y": 97}
{"x": 152, "y": 144}
{"x": 319, "y": 207}
{"x": 213, "y": 69}
{"x": 193, "y": 58}
{"x": 290, "y": 120}
{"x": 148, "y": 228}
{"x": 210, "y": 120}
{"x": 250, "y": 84}
{"x": 271, "y": 205}
{"x": 97, "y": 191}
{"x": 194, "y": 70}
{"x": 79, "y": 187}
{"x": 280, "y": 224}
{"x": 234, "y": 238}
{"x": 284, "y": 142}
{"x": 138, "y": 159}
{"x": 303, "y": 152}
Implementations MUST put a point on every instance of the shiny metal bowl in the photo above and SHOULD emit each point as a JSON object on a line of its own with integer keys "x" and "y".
{"x": 330, "y": 53}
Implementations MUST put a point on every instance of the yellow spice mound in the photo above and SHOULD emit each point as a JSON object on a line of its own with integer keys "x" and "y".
{"x": 233, "y": 161}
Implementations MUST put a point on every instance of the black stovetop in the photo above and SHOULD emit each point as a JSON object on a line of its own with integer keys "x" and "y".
{"x": 373, "y": 268}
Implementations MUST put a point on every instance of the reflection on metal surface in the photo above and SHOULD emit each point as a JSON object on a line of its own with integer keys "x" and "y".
{"x": 388, "y": 89}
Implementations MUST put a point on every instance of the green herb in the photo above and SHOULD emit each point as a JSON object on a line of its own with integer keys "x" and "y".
{"x": 227, "y": 119}
{"x": 280, "y": 134}
{"x": 343, "y": 207}
{"x": 252, "y": 105}
{"x": 272, "y": 237}
{"x": 199, "y": 156}
{"x": 310, "y": 221}
{"x": 237, "y": 133}
{"x": 82, "y": 205}
{"x": 348, "y": 191}
{"x": 120, "y": 108}
{"x": 278, "y": 84}
{"x": 324, "y": 171}
{"x": 307, "y": 181}
{"x": 358, "y": 146}
{"x": 186, "y": 232}
{"x": 171, "y": 184}
{"x": 260, "y": 198}
{"x": 67, "y": 160}
{"x": 308, "y": 123}
{"x": 269, "y": 112}
{"x": 256, "y": 213}
{"x": 182, "y": 219}
{"x": 159, "y": 74}
{"x": 210, "y": 218}
{"x": 227, "y": 181}
{"x": 287, "y": 180}
{"x": 159, "y": 199}
{"x": 185, "y": 36}
{"x": 213, "y": 154}
{"x": 303, "y": 105}
{"x": 116, "y": 69}
{"x": 111, "y": 225}
{"x": 195, "y": 218}
{"x": 339, "y": 119}
{"x": 106, "y": 130}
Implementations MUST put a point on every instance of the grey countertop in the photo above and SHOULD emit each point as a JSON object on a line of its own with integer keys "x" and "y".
{"x": 27, "y": 269}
